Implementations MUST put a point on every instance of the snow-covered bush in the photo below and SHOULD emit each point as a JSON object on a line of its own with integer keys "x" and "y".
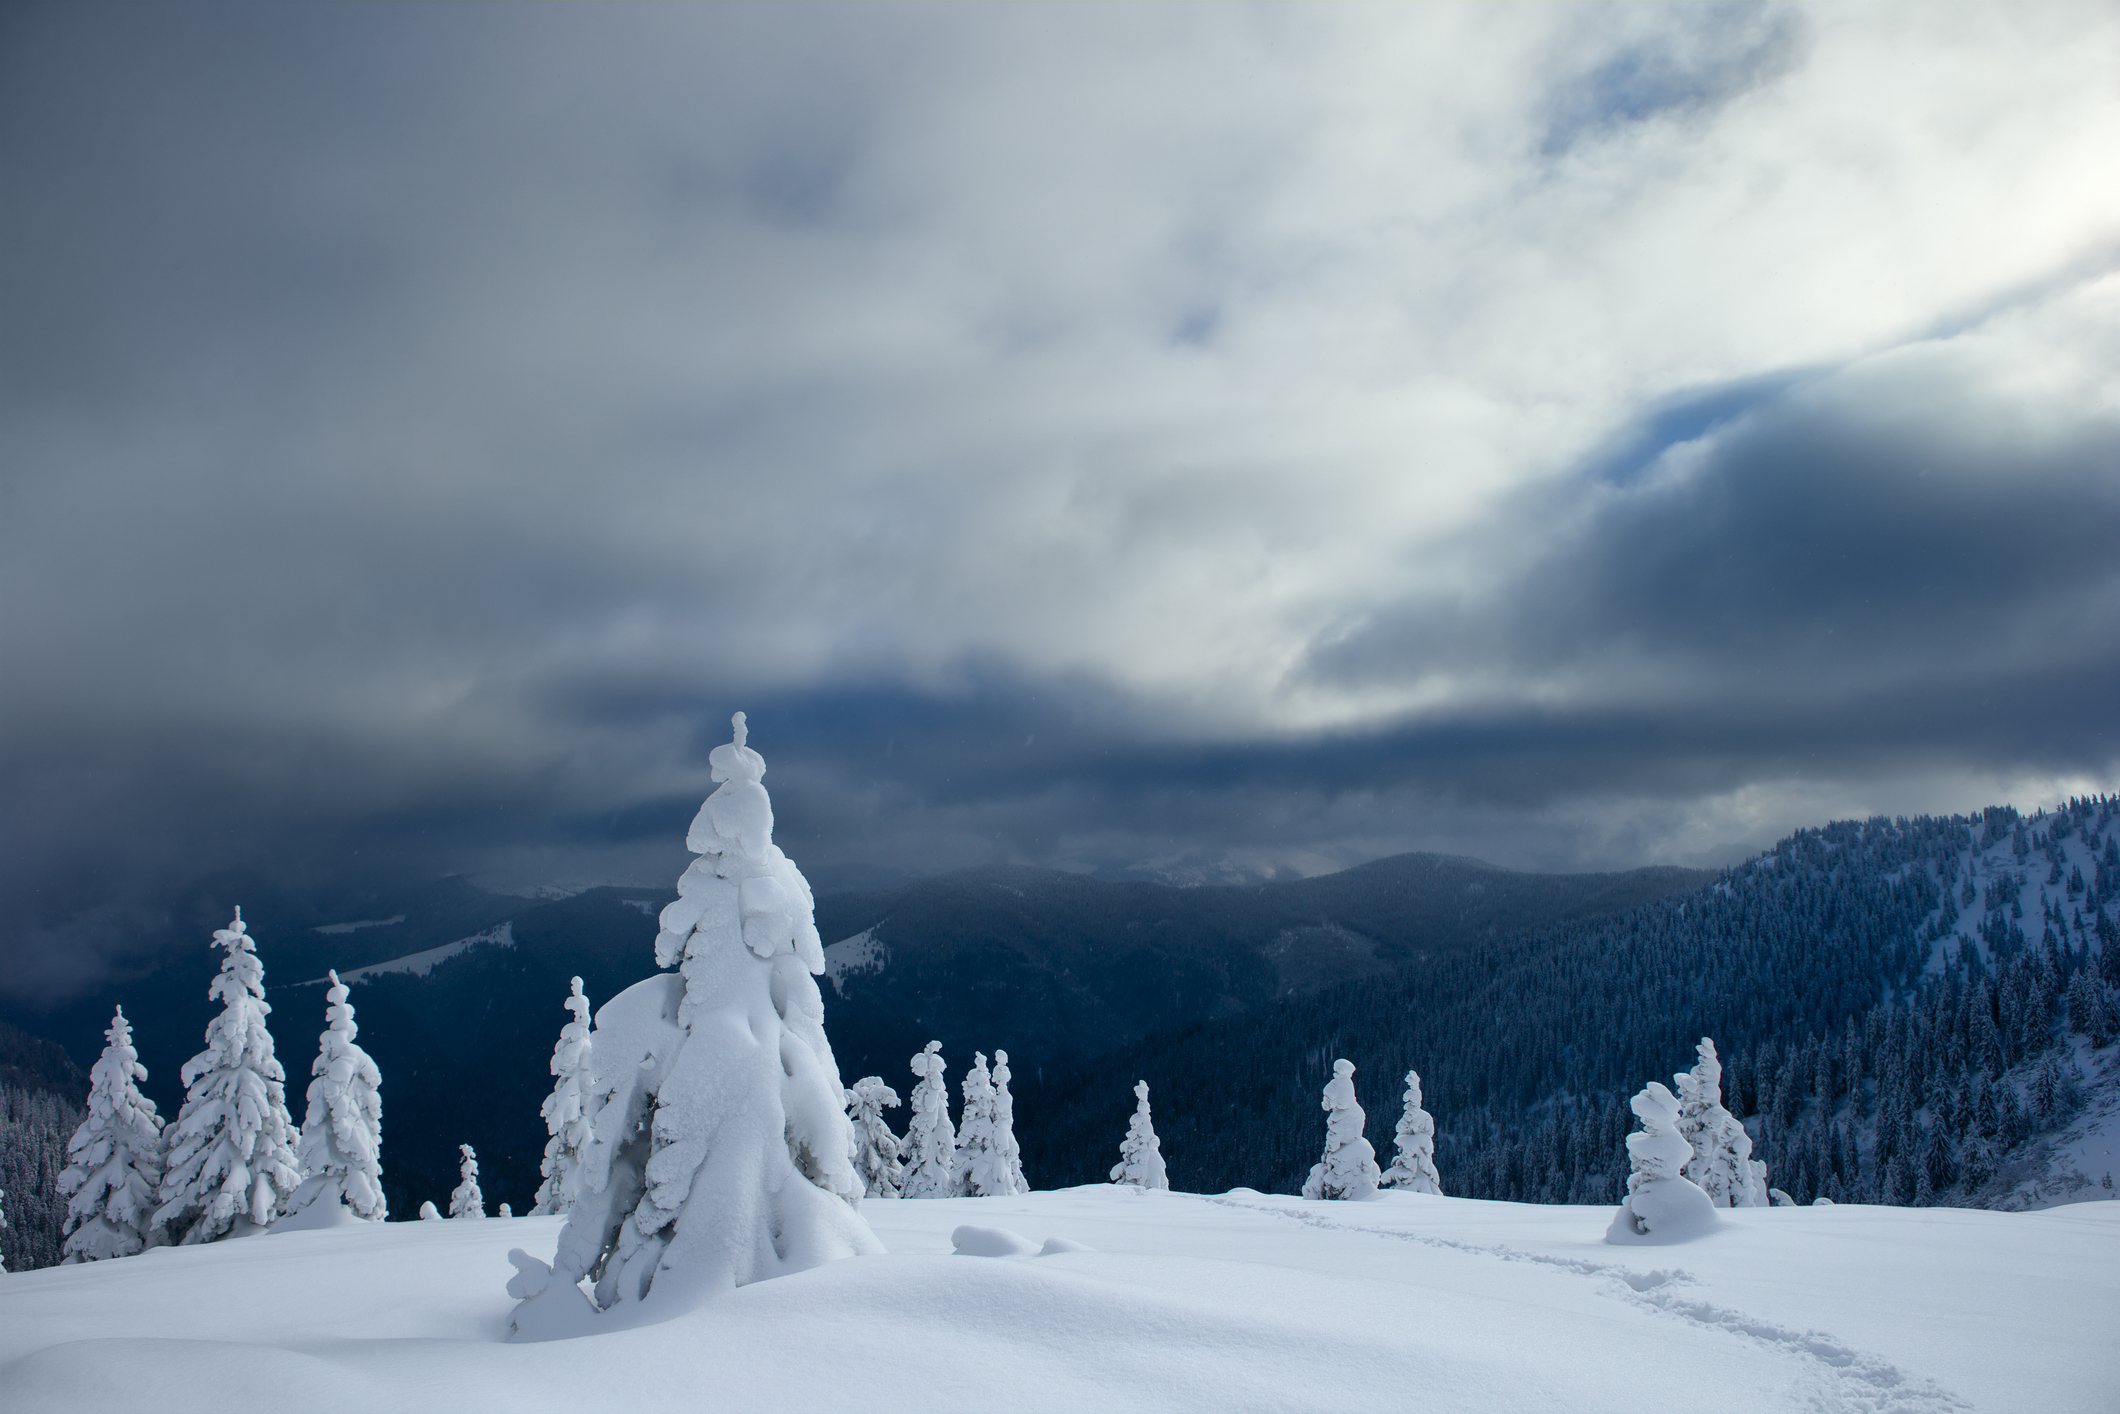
{"x": 1662, "y": 1205}
{"x": 1140, "y": 1152}
{"x": 340, "y": 1153}
{"x": 930, "y": 1147}
{"x": 1413, "y": 1167}
{"x": 1349, "y": 1167}
{"x": 1005, "y": 1126}
{"x": 566, "y": 1109}
{"x": 875, "y": 1148}
{"x": 1722, "y": 1165}
{"x": 114, "y": 1161}
{"x": 429, "y": 1213}
{"x": 228, "y": 1164}
{"x": 743, "y": 1171}
{"x": 467, "y": 1201}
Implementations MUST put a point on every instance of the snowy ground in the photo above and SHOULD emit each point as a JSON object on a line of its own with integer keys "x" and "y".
{"x": 1239, "y": 1302}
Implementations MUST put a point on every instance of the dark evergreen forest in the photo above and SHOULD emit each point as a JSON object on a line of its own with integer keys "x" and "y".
{"x": 1899, "y": 1004}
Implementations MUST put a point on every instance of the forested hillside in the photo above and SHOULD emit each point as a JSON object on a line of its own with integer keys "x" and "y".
{"x": 1901, "y": 1004}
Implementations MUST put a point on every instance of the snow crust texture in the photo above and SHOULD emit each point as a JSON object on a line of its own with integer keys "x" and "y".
{"x": 1188, "y": 1304}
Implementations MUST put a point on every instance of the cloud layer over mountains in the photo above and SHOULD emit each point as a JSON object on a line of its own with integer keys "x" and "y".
{"x": 1576, "y": 436}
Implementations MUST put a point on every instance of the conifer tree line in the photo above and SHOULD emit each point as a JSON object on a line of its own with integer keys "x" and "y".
{"x": 115, "y": 1179}
{"x": 1944, "y": 976}
{"x": 1899, "y": 1000}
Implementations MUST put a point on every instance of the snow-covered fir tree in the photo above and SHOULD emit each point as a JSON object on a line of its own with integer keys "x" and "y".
{"x": 1005, "y": 1126}
{"x": 340, "y": 1153}
{"x": 1349, "y": 1166}
{"x": 566, "y": 1109}
{"x": 930, "y": 1146}
{"x": 979, "y": 1170}
{"x": 1413, "y": 1167}
{"x": 228, "y": 1164}
{"x": 1140, "y": 1152}
{"x": 1722, "y": 1165}
{"x": 875, "y": 1149}
{"x": 114, "y": 1160}
{"x": 745, "y": 1173}
{"x": 1662, "y": 1205}
{"x": 467, "y": 1201}
{"x": 3, "y": 1223}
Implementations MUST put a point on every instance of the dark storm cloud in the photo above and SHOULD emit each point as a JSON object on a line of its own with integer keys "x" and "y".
{"x": 1901, "y": 559}
{"x": 421, "y": 426}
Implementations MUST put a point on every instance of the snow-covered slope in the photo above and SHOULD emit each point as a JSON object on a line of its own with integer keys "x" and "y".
{"x": 421, "y": 963}
{"x": 1239, "y": 1302}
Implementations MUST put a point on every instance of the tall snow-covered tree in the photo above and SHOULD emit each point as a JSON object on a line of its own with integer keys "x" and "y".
{"x": 930, "y": 1146}
{"x": 340, "y": 1153}
{"x": 566, "y": 1109}
{"x": 745, "y": 1173}
{"x": 1005, "y": 1126}
{"x": 467, "y": 1201}
{"x": 114, "y": 1160}
{"x": 1140, "y": 1152}
{"x": 1662, "y": 1205}
{"x": 1349, "y": 1166}
{"x": 3, "y": 1223}
{"x": 1722, "y": 1165}
{"x": 228, "y": 1164}
{"x": 875, "y": 1150}
{"x": 979, "y": 1170}
{"x": 1413, "y": 1167}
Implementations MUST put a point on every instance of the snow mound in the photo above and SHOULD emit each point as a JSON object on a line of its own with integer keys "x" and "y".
{"x": 972, "y": 1241}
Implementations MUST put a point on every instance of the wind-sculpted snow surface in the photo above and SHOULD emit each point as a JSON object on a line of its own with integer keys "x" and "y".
{"x": 1135, "y": 1300}
{"x": 744, "y": 1170}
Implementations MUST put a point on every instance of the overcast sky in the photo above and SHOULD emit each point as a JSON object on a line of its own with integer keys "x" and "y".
{"x": 1576, "y": 436}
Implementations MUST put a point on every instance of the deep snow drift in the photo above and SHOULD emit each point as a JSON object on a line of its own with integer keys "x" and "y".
{"x": 1180, "y": 1302}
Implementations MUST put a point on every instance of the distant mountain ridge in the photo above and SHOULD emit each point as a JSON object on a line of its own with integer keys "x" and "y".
{"x": 457, "y": 990}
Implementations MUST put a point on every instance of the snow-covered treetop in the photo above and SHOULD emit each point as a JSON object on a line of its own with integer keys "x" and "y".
{"x": 733, "y": 837}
